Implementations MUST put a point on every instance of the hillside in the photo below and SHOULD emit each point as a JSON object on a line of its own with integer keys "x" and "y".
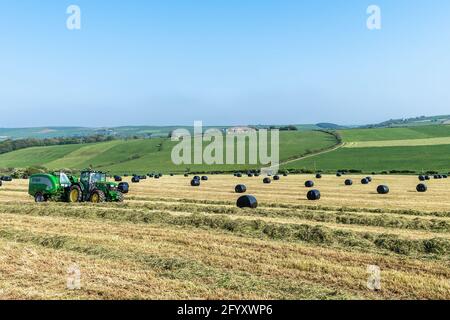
{"x": 120, "y": 132}
{"x": 57, "y": 132}
{"x": 386, "y": 149}
{"x": 146, "y": 155}
{"x": 409, "y": 122}
{"x": 381, "y": 134}
{"x": 419, "y": 148}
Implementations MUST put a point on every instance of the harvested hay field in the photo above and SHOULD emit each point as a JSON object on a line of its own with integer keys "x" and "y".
{"x": 172, "y": 241}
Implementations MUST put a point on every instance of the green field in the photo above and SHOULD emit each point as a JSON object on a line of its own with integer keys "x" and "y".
{"x": 418, "y": 158}
{"x": 422, "y": 148}
{"x": 406, "y": 133}
{"x": 417, "y": 149}
{"x": 145, "y": 155}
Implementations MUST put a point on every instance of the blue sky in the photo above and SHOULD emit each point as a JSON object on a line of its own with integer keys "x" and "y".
{"x": 222, "y": 61}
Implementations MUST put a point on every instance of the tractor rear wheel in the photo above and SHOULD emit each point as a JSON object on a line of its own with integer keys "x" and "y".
{"x": 75, "y": 194}
{"x": 39, "y": 197}
{"x": 120, "y": 196}
{"x": 98, "y": 196}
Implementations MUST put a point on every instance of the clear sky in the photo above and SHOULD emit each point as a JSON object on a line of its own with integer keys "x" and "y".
{"x": 170, "y": 62}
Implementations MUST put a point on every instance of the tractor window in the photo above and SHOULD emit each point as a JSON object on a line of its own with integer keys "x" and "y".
{"x": 84, "y": 177}
{"x": 98, "y": 177}
{"x": 64, "y": 179}
{"x": 93, "y": 177}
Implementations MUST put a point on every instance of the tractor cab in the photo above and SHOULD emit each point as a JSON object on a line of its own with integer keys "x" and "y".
{"x": 91, "y": 179}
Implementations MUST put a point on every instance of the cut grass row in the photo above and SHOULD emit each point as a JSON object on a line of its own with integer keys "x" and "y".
{"x": 297, "y": 232}
{"x": 180, "y": 263}
{"x": 288, "y": 193}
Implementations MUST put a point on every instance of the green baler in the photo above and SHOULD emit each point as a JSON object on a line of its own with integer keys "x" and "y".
{"x": 54, "y": 186}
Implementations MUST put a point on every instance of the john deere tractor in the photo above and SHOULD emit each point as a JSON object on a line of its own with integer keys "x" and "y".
{"x": 92, "y": 186}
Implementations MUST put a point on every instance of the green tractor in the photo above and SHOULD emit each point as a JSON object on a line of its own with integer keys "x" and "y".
{"x": 92, "y": 186}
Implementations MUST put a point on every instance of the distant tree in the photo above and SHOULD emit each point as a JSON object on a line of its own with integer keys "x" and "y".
{"x": 12, "y": 145}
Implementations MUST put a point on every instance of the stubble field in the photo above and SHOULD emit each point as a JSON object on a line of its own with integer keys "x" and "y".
{"x": 172, "y": 241}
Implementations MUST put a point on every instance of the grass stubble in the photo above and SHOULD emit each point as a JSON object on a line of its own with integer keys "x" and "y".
{"x": 197, "y": 245}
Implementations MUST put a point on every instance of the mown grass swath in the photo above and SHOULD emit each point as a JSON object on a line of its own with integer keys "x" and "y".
{"x": 199, "y": 244}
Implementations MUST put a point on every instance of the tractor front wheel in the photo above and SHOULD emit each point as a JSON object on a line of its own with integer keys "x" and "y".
{"x": 120, "y": 196}
{"x": 98, "y": 196}
{"x": 74, "y": 194}
{"x": 39, "y": 197}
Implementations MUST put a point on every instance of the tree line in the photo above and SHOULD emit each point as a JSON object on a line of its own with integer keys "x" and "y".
{"x": 13, "y": 145}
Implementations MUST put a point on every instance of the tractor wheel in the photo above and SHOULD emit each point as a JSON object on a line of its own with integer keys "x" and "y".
{"x": 120, "y": 196}
{"x": 39, "y": 197}
{"x": 98, "y": 196}
{"x": 75, "y": 194}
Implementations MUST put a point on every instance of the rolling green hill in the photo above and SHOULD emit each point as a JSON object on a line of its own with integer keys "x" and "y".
{"x": 423, "y": 132}
{"x": 146, "y": 155}
{"x": 386, "y": 149}
{"x": 121, "y": 132}
{"x": 417, "y": 158}
{"x": 411, "y": 122}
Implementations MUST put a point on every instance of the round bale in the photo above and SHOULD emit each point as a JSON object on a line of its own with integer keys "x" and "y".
{"x": 195, "y": 183}
{"x": 267, "y": 180}
{"x": 364, "y": 181}
{"x": 204, "y": 178}
{"x": 383, "y": 189}
{"x": 348, "y": 182}
{"x": 318, "y": 176}
{"x": 421, "y": 187}
{"x": 276, "y": 178}
{"x": 313, "y": 195}
{"x": 123, "y": 187}
{"x": 135, "y": 179}
{"x": 240, "y": 188}
{"x": 247, "y": 202}
{"x": 309, "y": 184}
